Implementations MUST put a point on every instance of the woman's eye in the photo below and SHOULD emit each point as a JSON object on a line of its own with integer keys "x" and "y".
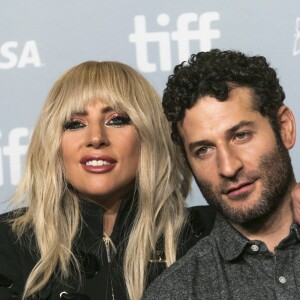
{"x": 74, "y": 125}
{"x": 118, "y": 121}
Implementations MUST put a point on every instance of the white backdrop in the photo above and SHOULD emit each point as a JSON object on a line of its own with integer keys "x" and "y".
{"x": 39, "y": 40}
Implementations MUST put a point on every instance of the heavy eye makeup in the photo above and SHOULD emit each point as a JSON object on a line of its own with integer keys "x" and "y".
{"x": 112, "y": 120}
{"x": 74, "y": 124}
{"x": 117, "y": 120}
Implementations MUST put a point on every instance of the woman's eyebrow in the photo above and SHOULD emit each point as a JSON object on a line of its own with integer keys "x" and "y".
{"x": 79, "y": 113}
{"x": 107, "y": 109}
{"x": 104, "y": 110}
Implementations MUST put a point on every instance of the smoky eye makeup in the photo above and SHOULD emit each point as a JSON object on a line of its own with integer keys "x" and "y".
{"x": 117, "y": 120}
{"x": 74, "y": 124}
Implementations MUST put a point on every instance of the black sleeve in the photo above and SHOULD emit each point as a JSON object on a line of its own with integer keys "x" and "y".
{"x": 202, "y": 219}
{"x": 11, "y": 273}
{"x": 199, "y": 224}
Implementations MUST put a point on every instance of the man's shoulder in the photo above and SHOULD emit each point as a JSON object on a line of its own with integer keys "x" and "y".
{"x": 174, "y": 282}
{"x": 198, "y": 254}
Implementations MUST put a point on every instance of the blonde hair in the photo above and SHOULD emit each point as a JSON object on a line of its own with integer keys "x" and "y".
{"x": 53, "y": 209}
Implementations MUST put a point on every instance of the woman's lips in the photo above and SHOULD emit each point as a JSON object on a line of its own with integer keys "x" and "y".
{"x": 97, "y": 164}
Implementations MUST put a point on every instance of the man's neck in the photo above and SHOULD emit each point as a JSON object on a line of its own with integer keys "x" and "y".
{"x": 272, "y": 229}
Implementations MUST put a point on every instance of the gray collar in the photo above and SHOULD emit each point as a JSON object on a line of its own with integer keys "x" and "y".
{"x": 233, "y": 244}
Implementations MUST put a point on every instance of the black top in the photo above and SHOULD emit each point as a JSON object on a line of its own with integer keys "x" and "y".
{"x": 101, "y": 269}
{"x": 226, "y": 265}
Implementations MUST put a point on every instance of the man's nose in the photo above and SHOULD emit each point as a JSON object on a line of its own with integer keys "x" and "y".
{"x": 229, "y": 162}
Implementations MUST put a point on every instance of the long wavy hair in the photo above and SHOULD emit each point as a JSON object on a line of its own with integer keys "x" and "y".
{"x": 53, "y": 212}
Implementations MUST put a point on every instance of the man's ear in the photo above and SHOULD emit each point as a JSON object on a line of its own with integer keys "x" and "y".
{"x": 287, "y": 126}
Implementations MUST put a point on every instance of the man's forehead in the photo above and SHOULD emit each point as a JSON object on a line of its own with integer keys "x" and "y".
{"x": 209, "y": 113}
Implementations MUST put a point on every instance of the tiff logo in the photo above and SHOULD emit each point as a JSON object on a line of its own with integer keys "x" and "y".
{"x": 15, "y": 151}
{"x": 182, "y": 36}
{"x": 296, "y": 49}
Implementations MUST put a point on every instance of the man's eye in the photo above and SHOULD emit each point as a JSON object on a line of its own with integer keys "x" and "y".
{"x": 118, "y": 121}
{"x": 202, "y": 151}
{"x": 242, "y": 135}
{"x": 74, "y": 125}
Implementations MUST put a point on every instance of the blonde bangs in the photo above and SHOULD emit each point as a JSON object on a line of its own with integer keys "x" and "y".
{"x": 90, "y": 82}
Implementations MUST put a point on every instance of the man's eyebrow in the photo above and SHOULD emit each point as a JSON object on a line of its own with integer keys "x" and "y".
{"x": 229, "y": 132}
{"x": 238, "y": 126}
{"x": 194, "y": 145}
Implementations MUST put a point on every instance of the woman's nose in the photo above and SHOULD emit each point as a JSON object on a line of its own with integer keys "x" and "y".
{"x": 97, "y": 137}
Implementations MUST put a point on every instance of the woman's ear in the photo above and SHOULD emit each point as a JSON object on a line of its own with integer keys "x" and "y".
{"x": 287, "y": 126}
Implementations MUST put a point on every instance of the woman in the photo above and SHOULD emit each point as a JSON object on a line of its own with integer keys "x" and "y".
{"x": 105, "y": 192}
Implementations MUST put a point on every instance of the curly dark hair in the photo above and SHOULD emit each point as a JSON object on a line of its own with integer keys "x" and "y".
{"x": 215, "y": 73}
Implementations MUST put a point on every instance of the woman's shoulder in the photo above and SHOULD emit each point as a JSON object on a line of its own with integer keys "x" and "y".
{"x": 6, "y": 222}
{"x": 16, "y": 260}
{"x": 6, "y": 225}
{"x": 10, "y": 243}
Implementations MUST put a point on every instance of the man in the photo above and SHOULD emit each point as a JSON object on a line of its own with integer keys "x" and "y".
{"x": 228, "y": 117}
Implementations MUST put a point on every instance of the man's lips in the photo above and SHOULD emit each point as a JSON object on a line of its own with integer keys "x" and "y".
{"x": 239, "y": 189}
{"x": 97, "y": 164}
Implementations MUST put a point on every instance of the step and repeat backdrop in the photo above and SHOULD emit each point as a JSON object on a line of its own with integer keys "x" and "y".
{"x": 39, "y": 40}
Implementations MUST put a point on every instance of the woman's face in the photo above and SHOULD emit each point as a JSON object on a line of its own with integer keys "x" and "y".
{"x": 100, "y": 151}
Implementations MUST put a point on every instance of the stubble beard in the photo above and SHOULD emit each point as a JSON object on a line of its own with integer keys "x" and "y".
{"x": 275, "y": 172}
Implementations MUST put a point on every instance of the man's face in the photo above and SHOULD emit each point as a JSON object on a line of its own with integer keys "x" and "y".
{"x": 239, "y": 165}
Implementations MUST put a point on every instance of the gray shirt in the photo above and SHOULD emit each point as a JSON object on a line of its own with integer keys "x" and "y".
{"x": 226, "y": 265}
